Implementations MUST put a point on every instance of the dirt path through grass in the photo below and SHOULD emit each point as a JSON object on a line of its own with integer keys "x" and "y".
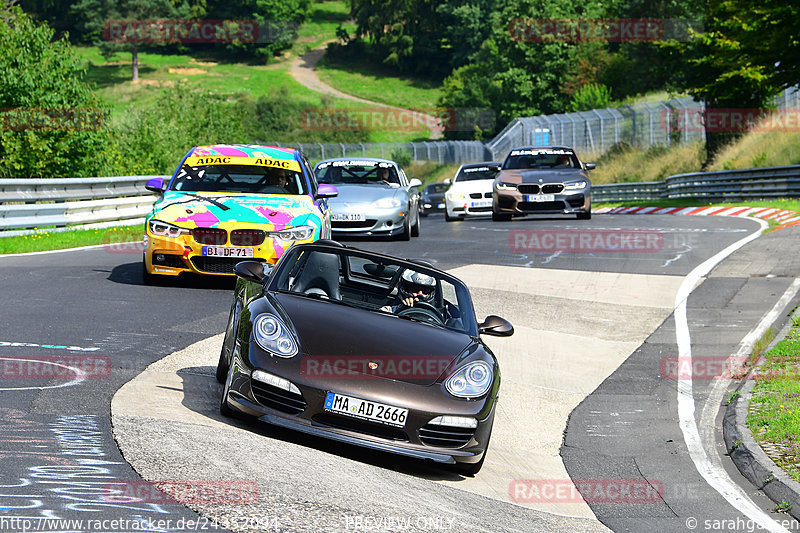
{"x": 303, "y": 70}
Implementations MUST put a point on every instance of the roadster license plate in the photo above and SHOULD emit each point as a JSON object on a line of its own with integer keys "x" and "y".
{"x": 228, "y": 251}
{"x": 348, "y": 217}
{"x": 540, "y": 197}
{"x": 366, "y": 409}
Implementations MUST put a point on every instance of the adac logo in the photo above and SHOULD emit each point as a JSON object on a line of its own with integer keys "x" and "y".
{"x": 373, "y": 365}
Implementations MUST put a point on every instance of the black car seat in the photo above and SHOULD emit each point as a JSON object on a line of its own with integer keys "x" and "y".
{"x": 320, "y": 275}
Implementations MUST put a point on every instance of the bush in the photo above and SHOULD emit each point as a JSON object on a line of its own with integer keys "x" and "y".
{"x": 591, "y": 96}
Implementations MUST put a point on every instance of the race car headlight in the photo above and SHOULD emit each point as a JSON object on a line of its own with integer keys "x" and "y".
{"x": 162, "y": 229}
{"x": 300, "y": 233}
{"x": 385, "y": 203}
{"x": 272, "y": 336}
{"x": 575, "y": 186}
{"x": 456, "y": 196}
{"x": 470, "y": 381}
{"x": 505, "y": 187}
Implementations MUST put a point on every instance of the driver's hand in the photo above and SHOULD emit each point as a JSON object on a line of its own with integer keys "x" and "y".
{"x": 409, "y": 302}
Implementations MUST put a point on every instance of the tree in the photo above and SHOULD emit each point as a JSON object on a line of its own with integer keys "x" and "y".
{"x": 50, "y": 122}
{"x": 736, "y": 63}
{"x": 98, "y": 14}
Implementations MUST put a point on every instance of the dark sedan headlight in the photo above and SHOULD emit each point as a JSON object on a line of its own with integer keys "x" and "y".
{"x": 575, "y": 185}
{"x": 505, "y": 186}
{"x": 300, "y": 233}
{"x": 470, "y": 381}
{"x": 273, "y": 336}
{"x": 162, "y": 229}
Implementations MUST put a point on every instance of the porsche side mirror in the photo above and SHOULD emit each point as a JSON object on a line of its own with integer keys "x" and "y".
{"x": 252, "y": 271}
{"x": 326, "y": 190}
{"x": 155, "y": 185}
{"x": 414, "y": 182}
{"x": 590, "y": 166}
{"x": 497, "y": 326}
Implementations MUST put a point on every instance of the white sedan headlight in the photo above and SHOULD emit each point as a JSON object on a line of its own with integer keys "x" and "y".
{"x": 273, "y": 336}
{"x": 300, "y": 233}
{"x": 575, "y": 186}
{"x": 456, "y": 196}
{"x": 386, "y": 203}
{"x": 162, "y": 229}
{"x": 470, "y": 381}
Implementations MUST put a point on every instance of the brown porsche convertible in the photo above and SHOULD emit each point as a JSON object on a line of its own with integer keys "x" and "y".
{"x": 363, "y": 348}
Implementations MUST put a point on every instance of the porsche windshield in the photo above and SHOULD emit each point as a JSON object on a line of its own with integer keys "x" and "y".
{"x": 363, "y": 172}
{"x": 377, "y": 284}
{"x": 541, "y": 159}
{"x": 238, "y": 178}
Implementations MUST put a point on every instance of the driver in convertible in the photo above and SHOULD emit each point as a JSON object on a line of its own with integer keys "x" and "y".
{"x": 416, "y": 287}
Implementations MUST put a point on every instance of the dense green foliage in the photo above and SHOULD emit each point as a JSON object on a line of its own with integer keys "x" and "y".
{"x": 51, "y": 124}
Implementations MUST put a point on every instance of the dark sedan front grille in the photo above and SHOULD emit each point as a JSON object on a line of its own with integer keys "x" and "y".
{"x": 216, "y": 265}
{"x": 278, "y": 399}
{"x": 445, "y": 436}
{"x": 360, "y": 426}
{"x": 475, "y": 195}
{"x": 540, "y": 206}
{"x": 552, "y": 188}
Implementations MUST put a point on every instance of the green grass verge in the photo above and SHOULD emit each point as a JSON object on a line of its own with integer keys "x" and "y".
{"x": 44, "y": 240}
{"x": 774, "y": 411}
{"x": 379, "y": 84}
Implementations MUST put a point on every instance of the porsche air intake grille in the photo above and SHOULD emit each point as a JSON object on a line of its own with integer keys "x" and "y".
{"x": 445, "y": 436}
{"x": 212, "y": 236}
{"x": 278, "y": 399}
{"x": 552, "y": 188}
{"x": 528, "y": 188}
{"x": 360, "y": 426}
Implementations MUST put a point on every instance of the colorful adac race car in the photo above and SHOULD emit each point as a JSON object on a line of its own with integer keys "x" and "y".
{"x": 228, "y": 203}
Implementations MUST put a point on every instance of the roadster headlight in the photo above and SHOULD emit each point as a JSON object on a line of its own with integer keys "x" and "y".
{"x": 385, "y": 203}
{"x": 273, "y": 336}
{"x": 470, "y": 381}
{"x": 505, "y": 186}
{"x": 300, "y": 233}
{"x": 575, "y": 186}
{"x": 162, "y": 229}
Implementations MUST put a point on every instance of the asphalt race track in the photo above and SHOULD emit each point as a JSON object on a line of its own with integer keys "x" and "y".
{"x": 587, "y": 392}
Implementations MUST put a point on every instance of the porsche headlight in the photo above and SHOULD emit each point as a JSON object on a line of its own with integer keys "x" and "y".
{"x": 385, "y": 203}
{"x": 575, "y": 186}
{"x": 505, "y": 187}
{"x": 273, "y": 336}
{"x": 470, "y": 381}
{"x": 300, "y": 233}
{"x": 162, "y": 229}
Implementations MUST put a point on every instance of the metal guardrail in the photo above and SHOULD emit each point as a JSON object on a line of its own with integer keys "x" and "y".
{"x": 26, "y": 204}
{"x": 60, "y": 204}
{"x": 721, "y": 185}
